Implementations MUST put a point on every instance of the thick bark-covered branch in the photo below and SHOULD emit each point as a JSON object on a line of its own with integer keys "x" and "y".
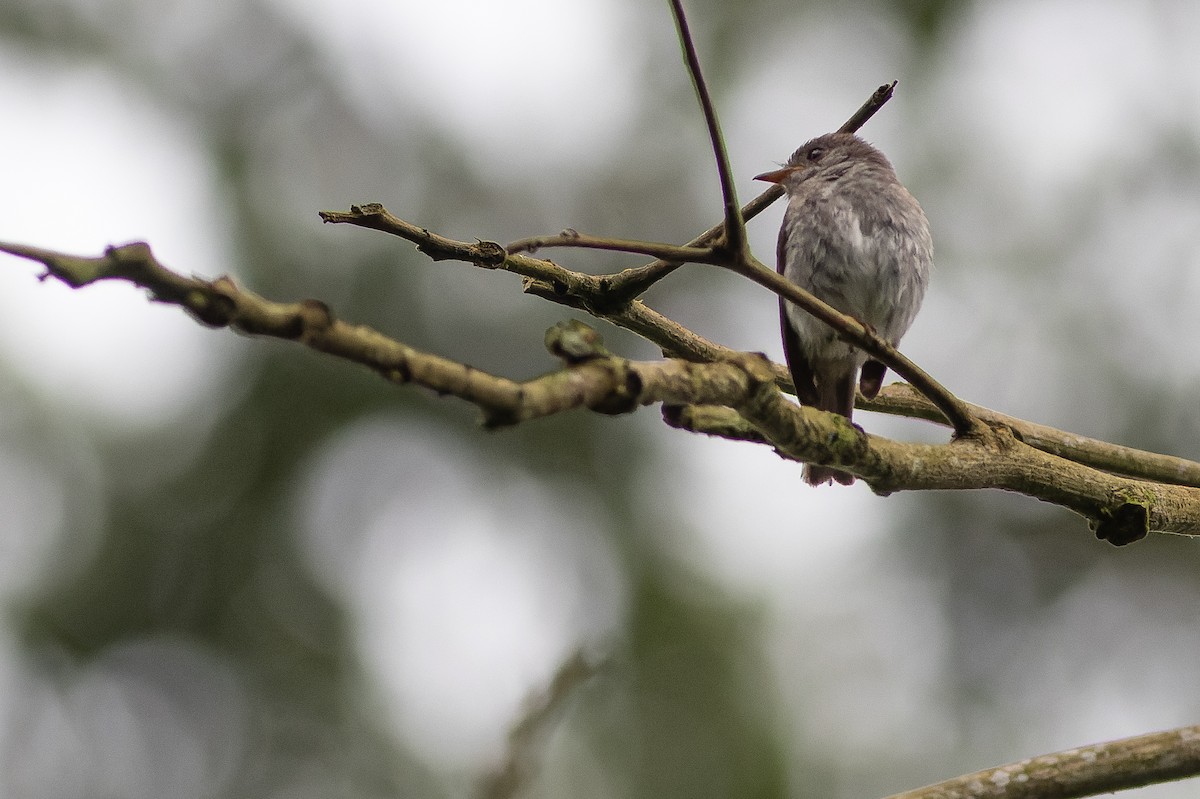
{"x": 1120, "y": 510}
{"x": 592, "y": 380}
{"x": 901, "y": 400}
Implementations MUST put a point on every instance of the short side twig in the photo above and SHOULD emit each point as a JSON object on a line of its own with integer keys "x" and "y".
{"x": 570, "y": 238}
{"x": 868, "y": 109}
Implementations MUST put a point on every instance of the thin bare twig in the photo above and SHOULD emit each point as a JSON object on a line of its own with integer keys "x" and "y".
{"x": 736, "y": 243}
{"x": 1088, "y": 771}
{"x": 868, "y": 109}
{"x": 571, "y": 238}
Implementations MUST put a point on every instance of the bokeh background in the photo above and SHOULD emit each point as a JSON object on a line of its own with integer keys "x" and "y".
{"x": 233, "y": 567}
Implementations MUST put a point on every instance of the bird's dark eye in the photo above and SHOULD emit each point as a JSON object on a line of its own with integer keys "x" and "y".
{"x": 815, "y": 153}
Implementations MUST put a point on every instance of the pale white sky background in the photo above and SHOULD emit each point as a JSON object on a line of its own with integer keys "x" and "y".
{"x": 1038, "y": 94}
{"x": 74, "y": 182}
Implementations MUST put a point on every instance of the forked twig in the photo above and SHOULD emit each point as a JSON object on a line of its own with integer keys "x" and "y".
{"x": 633, "y": 282}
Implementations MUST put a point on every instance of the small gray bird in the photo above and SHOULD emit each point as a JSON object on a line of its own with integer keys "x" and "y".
{"x": 855, "y": 238}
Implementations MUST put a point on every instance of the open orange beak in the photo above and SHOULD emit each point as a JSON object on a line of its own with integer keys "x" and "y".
{"x": 777, "y": 176}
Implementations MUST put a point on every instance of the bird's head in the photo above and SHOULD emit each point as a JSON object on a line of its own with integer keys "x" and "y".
{"x": 826, "y": 157}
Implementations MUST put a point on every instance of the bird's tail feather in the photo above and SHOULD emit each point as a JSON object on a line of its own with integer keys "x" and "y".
{"x": 837, "y": 396}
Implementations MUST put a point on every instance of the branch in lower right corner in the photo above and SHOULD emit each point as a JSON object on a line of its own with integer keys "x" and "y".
{"x": 1076, "y": 773}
